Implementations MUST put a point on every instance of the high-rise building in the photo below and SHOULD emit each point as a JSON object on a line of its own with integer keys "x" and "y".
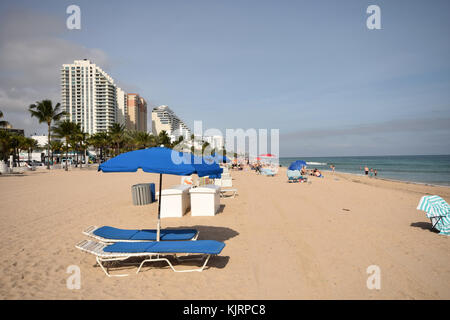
{"x": 163, "y": 118}
{"x": 143, "y": 115}
{"x": 122, "y": 107}
{"x": 137, "y": 113}
{"x": 89, "y": 96}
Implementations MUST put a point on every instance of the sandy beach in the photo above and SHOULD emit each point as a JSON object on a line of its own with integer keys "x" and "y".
{"x": 283, "y": 240}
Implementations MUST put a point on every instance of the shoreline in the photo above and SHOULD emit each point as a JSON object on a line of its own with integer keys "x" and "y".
{"x": 385, "y": 179}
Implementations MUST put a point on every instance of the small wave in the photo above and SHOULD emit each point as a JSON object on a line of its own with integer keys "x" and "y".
{"x": 316, "y": 163}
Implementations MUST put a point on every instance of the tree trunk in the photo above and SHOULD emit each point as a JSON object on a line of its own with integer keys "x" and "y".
{"x": 48, "y": 147}
{"x": 81, "y": 162}
{"x": 67, "y": 157}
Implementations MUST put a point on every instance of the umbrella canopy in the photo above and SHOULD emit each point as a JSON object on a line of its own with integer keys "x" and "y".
{"x": 436, "y": 207}
{"x": 297, "y": 165}
{"x": 268, "y": 155}
{"x": 162, "y": 161}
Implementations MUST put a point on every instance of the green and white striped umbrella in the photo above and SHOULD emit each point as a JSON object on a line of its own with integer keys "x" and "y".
{"x": 437, "y": 209}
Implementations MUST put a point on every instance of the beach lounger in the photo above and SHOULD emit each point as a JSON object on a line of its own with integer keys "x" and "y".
{"x": 108, "y": 234}
{"x": 223, "y": 191}
{"x": 151, "y": 251}
{"x": 267, "y": 172}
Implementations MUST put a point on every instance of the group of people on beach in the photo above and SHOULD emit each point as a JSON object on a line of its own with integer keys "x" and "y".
{"x": 372, "y": 172}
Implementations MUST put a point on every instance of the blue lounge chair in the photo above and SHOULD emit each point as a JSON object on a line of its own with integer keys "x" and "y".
{"x": 152, "y": 251}
{"x": 108, "y": 234}
{"x": 267, "y": 172}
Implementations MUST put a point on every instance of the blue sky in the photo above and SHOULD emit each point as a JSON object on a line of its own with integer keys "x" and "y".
{"x": 309, "y": 68}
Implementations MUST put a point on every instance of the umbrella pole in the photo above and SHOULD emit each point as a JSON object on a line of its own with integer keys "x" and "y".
{"x": 159, "y": 209}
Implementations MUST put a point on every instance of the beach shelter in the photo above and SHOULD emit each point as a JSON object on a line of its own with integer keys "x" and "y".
{"x": 297, "y": 165}
{"x": 438, "y": 210}
{"x": 163, "y": 161}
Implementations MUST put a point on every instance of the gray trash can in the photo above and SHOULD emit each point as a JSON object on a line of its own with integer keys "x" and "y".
{"x": 143, "y": 193}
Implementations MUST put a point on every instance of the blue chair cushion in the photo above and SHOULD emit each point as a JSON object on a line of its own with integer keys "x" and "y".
{"x": 148, "y": 235}
{"x": 199, "y": 246}
{"x": 114, "y": 233}
{"x": 166, "y": 234}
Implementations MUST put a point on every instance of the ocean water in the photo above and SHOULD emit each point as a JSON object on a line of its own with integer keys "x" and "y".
{"x": 421, "y": 169}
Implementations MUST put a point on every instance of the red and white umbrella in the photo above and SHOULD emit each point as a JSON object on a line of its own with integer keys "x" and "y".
{"x": 268, "y": 155}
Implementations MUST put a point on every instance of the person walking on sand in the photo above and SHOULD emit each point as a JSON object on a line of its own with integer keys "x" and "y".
{"x": 366, "y": 170}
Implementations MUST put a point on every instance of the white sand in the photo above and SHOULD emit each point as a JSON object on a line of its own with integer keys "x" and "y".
{"x": 283, "y": 241}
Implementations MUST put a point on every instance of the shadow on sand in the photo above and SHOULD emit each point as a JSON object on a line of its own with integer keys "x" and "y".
{"x": 424, "y": 226}
{"x": 213, "y": 233}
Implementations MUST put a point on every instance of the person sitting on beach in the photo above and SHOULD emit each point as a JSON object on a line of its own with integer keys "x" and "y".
{"x": 317, "y": 173}
{"x": 303, "y": 171}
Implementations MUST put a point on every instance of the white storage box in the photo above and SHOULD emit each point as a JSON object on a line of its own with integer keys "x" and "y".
{"x": 175, "y": 201}
{"x": 205, "y": 201}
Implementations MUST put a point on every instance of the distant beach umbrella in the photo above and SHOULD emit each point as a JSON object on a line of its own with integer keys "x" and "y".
{"x": 438, "y": 210}
{"x": 268, "y": 155}
{"x": 161, "y": 160}
{"x": 297, "y": 165}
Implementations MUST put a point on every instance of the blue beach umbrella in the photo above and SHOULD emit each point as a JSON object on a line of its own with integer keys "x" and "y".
{"x": 162, "y": 161}
{"x": 297, "y": 165}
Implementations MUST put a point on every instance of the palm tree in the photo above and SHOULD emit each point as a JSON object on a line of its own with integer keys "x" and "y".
{"x": 142, "y": 140}
{"x": 45, "y": 112}
{"x": 99, "y": 141}
{"x": 82, "y": 139}
{"x": 65, "y": 129}
{"x": 3, "y": 123}
{"x": 54, "y": 146}
{"x": 30, "y": 144}
{"x": 164, "y": 139}
{"x": 5, "y": 144}
{"x": 116, "y": 132}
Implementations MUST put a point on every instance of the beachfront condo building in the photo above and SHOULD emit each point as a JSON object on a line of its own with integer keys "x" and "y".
{"x": 163, "y": 118}
{"x": 88, "y": 95}
{"x": 92, "y": 99}
{"x": 136, "y": 112}
{"x": 122, "y": 107}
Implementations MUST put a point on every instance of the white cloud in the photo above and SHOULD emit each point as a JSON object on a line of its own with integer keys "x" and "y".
{"x": 32, "y": 52}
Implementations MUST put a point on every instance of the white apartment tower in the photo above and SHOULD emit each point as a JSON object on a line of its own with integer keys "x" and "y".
{"x": 122, "y": 106}
{"x": 90, "y": 97}
{"x": 163, "y": 118}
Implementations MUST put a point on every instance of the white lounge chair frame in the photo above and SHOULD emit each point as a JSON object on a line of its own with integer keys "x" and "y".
{"x": 223, "y": 191}
{"x": 90, "y": 233}
{"x": 96, "y": 248}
